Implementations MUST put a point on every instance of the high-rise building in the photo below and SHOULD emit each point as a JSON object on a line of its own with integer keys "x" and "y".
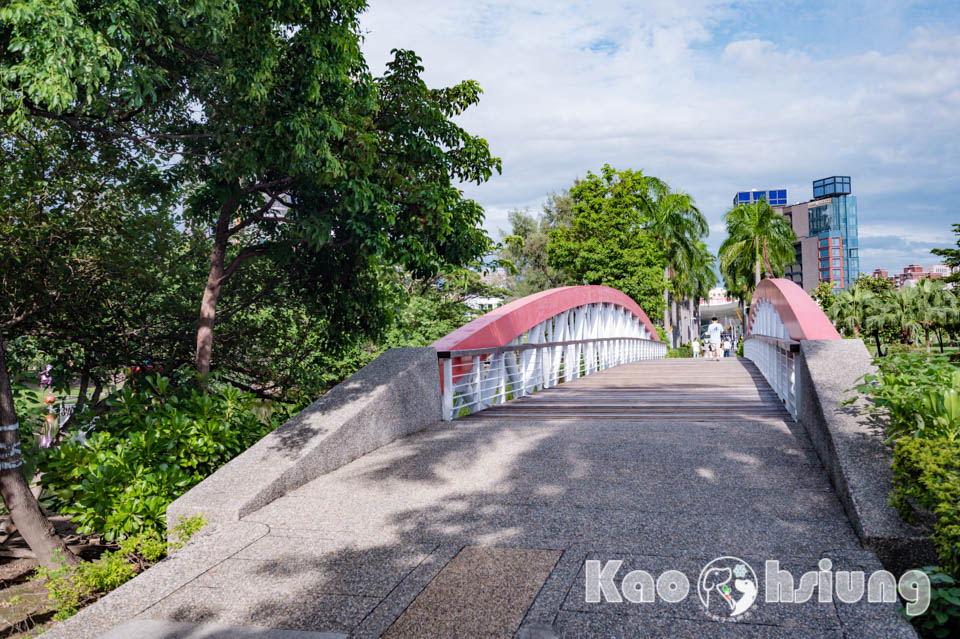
{"x": 776, "y": 197}
{"x": 827, "y": 247}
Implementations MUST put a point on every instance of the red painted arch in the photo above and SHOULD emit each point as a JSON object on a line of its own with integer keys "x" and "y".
{"x": 802, "y": 316}
{"x": 502, "y": 325}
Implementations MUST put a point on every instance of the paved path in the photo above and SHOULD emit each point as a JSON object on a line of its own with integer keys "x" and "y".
{"x": 482, "y": 527}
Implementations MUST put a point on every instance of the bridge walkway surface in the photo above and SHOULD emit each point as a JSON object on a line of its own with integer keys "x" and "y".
{"x": 481, "y": 527}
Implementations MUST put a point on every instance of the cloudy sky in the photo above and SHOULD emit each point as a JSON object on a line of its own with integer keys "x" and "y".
{"x": 713, "y": 96}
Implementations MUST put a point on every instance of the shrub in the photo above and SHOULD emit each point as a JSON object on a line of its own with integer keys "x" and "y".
{"x": 919, "y": 393}
{"x": 69, "y": 588}
{"x": 155, "y": 442}
{"x": 684, "y": 350}
{"x": 942, "y": 618}
{"x": 926, "y": 474}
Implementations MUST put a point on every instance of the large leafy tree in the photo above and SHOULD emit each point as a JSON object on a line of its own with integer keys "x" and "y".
{"x": 525, "y": 246}
{"x": 758, "y": 239}
{"x": 271, "y": 117}
{"x": 608, "y": 242}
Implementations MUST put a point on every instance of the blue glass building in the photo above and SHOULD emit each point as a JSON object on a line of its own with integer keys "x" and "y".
{"x": 776, "y": 197}
{"x": 836, "y": 185}
{"x": 834, "y": 223}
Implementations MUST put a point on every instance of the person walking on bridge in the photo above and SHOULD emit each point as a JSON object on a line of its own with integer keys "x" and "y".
{"x": 714, "y": 333}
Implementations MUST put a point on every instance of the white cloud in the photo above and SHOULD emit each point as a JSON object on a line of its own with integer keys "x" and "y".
{"x": 660, "y": 85}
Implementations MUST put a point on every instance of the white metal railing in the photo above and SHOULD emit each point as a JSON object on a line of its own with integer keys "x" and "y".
{"x": 477, "y": 378}
{"x": 777, "y": 360}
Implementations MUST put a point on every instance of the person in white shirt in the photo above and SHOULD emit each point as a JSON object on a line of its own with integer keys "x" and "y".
{"x": 714, "y": 332}
{"x": 726, "y": 347}
{"x": 695, "y": 347}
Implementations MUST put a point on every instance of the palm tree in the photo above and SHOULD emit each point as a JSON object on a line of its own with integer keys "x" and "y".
{"x": 851, "y": 309}
{"x": 695, "y": 279}
{"x": 899, "y": 314}
{"x": 758, "y": 236}
{"x": 932, "y": 307}
{"x": 677, "y": 224}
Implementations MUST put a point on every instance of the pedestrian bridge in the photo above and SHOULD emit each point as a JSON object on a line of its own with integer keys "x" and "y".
{"x": 545, "y": 341}
{"x": 463, "y": 490}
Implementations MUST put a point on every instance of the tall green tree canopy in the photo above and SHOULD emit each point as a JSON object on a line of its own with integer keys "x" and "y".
{"x": 758, "y": 240}
{"x": 267, "y": 111}
{"x": 525, "y": 246}
{"x": 608, "y": 242}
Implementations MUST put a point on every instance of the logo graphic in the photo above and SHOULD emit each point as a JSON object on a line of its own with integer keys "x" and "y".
{"x": 727, "y": 588}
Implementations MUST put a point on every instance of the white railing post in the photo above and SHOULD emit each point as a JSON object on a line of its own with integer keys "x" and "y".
{"x": 447, "y": 389}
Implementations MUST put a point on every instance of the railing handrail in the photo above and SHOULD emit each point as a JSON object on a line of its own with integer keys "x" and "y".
{"x": 496, "y": 350}
{"x": 790, "y": 345}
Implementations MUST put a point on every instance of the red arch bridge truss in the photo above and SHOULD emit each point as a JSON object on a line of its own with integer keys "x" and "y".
{"x": 539, "y": 341}
{"x": 781, "y": 316}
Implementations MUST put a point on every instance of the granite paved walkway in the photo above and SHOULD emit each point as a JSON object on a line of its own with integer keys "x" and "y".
{"x": 481, "y": 528}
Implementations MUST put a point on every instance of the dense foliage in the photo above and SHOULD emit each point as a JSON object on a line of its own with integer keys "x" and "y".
{"x": 607, "y": 243}
{"x": 919, "y": 397}
{"x": 157, "y": 441}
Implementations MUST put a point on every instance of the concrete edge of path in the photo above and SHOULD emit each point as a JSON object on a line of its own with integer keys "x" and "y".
{"x": 155, "y": 629}
{"x": 396, "y": 394}
{"x": 210, "y": 546}
{"x": 853, "y": 452}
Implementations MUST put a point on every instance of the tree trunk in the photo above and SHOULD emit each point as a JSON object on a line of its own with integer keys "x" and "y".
{"x": 940, "y": 340}
{"x": 876, "y": 335}
{"x": 208, "y": 309}
{"x": 766, "y": 259}
{"x": 22, "y": 504}
{"x": 84, "y": 384}
{"x": 666, "y": 302}
{"x": 211, "y": 293}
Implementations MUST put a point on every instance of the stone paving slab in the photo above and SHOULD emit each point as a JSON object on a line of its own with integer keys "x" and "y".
{"x": 482, "y": 592}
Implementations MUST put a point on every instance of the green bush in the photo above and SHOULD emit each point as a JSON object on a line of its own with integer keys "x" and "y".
{"x": 919, "y": 393}
{"x": 155, "y": 442}
{"x": 69, "y": 588}
{"x": 684, "y": 350}
{"x": 926, "y": 474}
{"x": 942, "y": 618}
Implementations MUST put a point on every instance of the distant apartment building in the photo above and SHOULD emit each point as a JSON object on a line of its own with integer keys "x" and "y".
{"x": 914, "y": 273}
{"x": 827, "y": 247}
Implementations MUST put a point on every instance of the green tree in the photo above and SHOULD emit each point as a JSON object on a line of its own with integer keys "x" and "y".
{"x": 851, "y": 309}
{"x": 525, "y": 246}
{"x": 933, "y": 307}
{"x": 608, "y": 242}
{"x": 677, "y": 224}
{"x": 758, "y": 238}
{"x": 824, "y": 296}
{"x": 951, "y": 256}
{"x": 898, "y": 314}
{"x": 266, "y": 110}
{"x": 882, "y": 291}
{"x": 694, "y": 281}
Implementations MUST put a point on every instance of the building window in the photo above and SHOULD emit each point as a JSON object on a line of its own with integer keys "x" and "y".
{"x": 836, "y": 262}
{"x": 837, "y": 272}
{"x": 836, "y": 252}
{"x": 823, "y": 242}
{"x": 835, "y": 241}
{"x": 824, "y": 253}
{"x": 824, "y": 275}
